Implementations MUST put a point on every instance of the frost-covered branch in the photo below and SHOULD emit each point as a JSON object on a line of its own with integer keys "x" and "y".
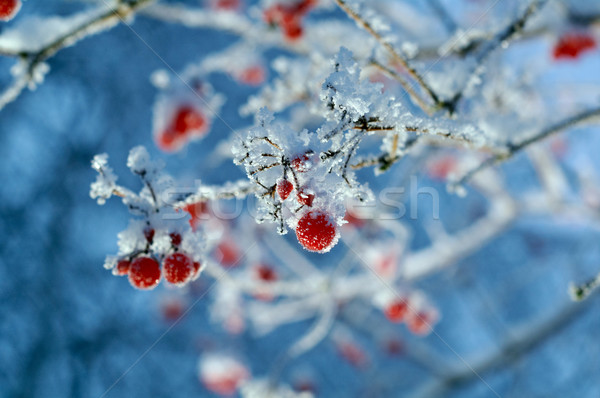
{"x": 514, "y": 148}
{"x": 32, "y": 68}
{"x": 402, "y": 60}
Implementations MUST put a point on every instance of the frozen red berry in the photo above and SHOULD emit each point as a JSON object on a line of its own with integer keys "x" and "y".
{"x": 397, "y": 310}
{"x": 188, "y": 119}
{"x": 144, "y": 273}
{"x": 316, "y": 231}
{"x": 197, "y": 266}
{"x": 178, "y": 268}
{"x": 352, "y": 353}
{"x": 222, "y": 374}
{"x": 175, "y": 238}
{"x": 284, "y": 188}
{"x": 253, "y": 75}
{"x": 149, "y": 234}
{"x": 226, "y": 4}
{"x": 199, "y": 211}
{"x": 442, "y": 167}
{"x": 172, "y": 308}
{"x": 301, "y": 163}
{"x": 289, "y": 17}
{"x": 8, "y": 9}
{"x": 122, "y": 268}
{"x": 265, "y": 273}
{"x": 420, "y": 323}
{"x": 571, "y": 45}
{"x": 305, "y": 198}
{"x": 227, "y": 253}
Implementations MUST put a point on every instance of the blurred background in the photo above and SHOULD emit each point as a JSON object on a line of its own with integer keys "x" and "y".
{"x": 68, "y": 328}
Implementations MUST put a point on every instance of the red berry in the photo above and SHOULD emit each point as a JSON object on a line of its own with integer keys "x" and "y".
{"x": 144, "y": 273}
{"x": 122, "y": 268}
{"x": 284, "y": 188}
{"x": 253, "y": 75}
{"x": 196, "y": 272}
{"x": 301, "y": 163}
{"x": 571, "y": 45}
{"x": 198, "y": 211}
{"x": 266, "y": 273}
{"x": 397, "y": 310}
{"x": 172, "y": 309}
{"x": 9, "y": 8}
{"x": 352, "y": 353}
{"x": 292, "y": 30}
{"x": 442, "y": 167}
{"x": 178, "y": 268}
{"x": 420, "y": 323}
{"x": 149, "y": 234}
{"x": 168, "y": 141}
{"x": 227, "y": 253}
{"x": 188, "y": 119}
{"x": 305, "y": 198}
{"x": 175, "y": 238}
{"x": 226, "y": 4}
{"x": 316, "y": 232}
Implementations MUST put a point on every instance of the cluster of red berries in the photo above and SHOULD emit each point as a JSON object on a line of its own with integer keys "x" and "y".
{"x": 289, "y": 17}
{"x": 187, "y": 122}
{"x": 8, "y": 9}
{"x": 145, "y": 272}
{"x": 316, "y": 231}
{"x": 418, "y": 322}
{"x": 571, "y": 45}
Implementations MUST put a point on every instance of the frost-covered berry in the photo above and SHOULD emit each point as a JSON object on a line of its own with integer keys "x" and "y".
{"x": 226, "y": 4}
{"x": 420, "y": 323}
{"x": 144, "y": 273}
{"x": 188, "y": 119}
{"x": 284, "y": 188}
{"x": 305, "y": 198}
{"x": 196, "y": 265}
{"x": 316, "y": 232}
{"x": 122, "y": 268}
{"x": 289, "y": 17}
{"x": 228, "y": 254}
{"x": 175, "y": 238}
{"x": 397, "y": 310}
{"x": 149, "y": 234}
{"x": 8, "y": 9}
{"x": 199, "y": 211}
{"x": 265, "y": 273}
{"x": 178, "y": 268}
{"x": 301, "y": 163}
{"x": 253, "y": 75}
{"x": 571, "y": 45}
{"x": 172, "y": 308}
{"x": 222, "y": 374}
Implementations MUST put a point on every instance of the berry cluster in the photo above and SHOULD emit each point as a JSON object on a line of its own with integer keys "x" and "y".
{"x": 289, "y": 17}
{"x": 8, "y": 9}
{"x": 144, "y": 271}
{"x": 418, "y": 318}
{"x": 571, "y": 45}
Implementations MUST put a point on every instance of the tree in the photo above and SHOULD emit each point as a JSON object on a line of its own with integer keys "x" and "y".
{"x": 418, "y": 93}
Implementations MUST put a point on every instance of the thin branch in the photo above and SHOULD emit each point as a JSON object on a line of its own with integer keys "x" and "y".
{"x": 33, "y": 59}
{"x": 514, "y": 148}
{"x": 396, "y": 55}
{"x": 583, "y": 291}
{"x": 503, "y": 37}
